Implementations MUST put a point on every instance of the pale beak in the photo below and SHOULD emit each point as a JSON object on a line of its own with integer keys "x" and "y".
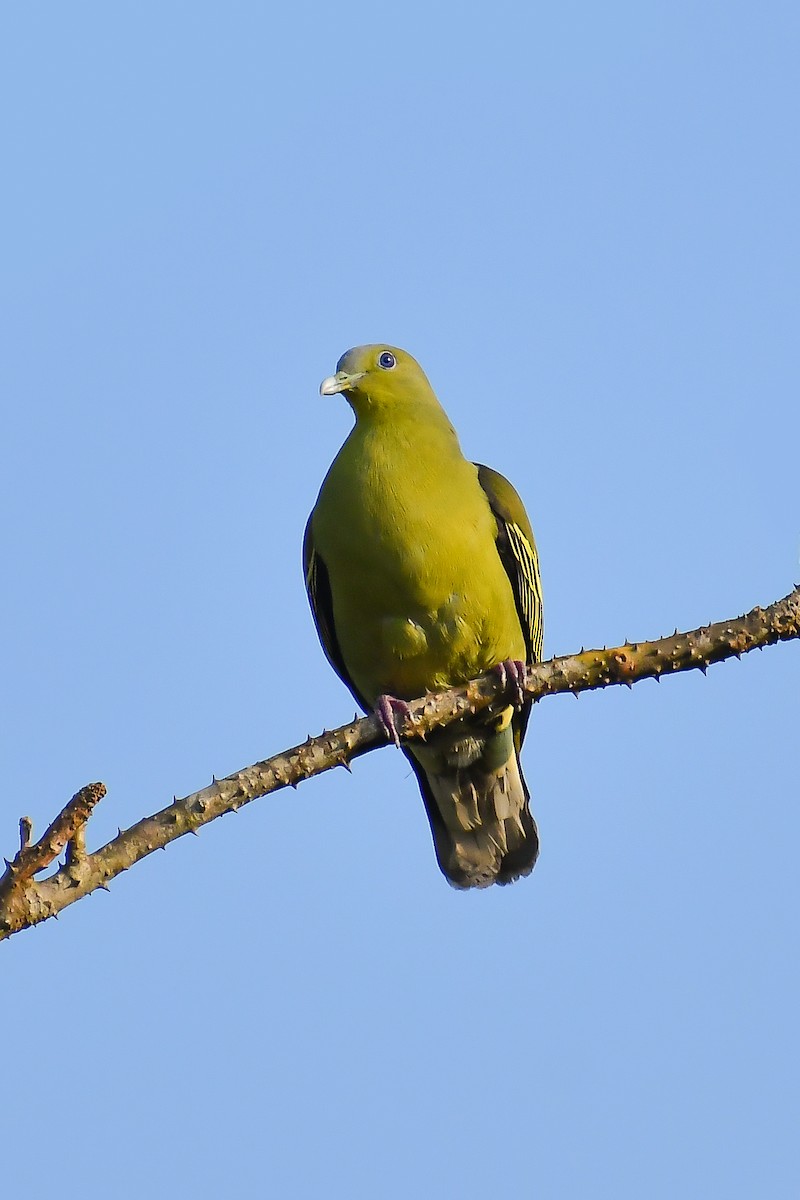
{"x": 340, "y": 382}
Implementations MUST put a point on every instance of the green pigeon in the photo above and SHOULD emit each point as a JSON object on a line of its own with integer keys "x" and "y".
{"x": 422, "y": 573}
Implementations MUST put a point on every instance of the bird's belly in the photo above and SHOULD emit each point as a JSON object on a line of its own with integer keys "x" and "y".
{"x": 444, "y": 630}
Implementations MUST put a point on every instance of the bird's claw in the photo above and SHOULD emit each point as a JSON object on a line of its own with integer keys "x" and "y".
{"x": 512, "y": 675}
{"x": 385, "y": 712}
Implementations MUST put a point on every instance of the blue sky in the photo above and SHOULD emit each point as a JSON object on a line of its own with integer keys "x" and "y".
{"x": 582, "y": 220}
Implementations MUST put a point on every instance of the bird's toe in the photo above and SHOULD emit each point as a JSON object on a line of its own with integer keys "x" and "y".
{"x": 385, "y": 710}
{"x": 512, "y": 674}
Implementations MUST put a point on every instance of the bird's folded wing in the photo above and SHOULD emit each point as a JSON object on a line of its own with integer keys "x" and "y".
{"x": 319, "y": 597}
{"x": 517, "y": 550}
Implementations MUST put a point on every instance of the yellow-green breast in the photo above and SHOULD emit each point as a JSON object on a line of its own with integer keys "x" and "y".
{"x": 420, "y": 597}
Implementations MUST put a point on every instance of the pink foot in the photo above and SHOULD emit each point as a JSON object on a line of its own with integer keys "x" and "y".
{"x": 385, "y": 710}
{"x": 512, "y": 675}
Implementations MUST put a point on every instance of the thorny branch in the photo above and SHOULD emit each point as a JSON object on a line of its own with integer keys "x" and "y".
{"x": 25, "y": 901}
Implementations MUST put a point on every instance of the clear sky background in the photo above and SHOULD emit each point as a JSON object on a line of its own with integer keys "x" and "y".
{"x": 582, "y": 219}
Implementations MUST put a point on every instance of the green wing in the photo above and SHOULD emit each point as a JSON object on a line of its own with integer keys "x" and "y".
{"x": 517, "y": 550}
{"x": 318, "y": 588}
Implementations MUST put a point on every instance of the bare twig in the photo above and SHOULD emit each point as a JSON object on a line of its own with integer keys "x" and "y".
{"x": 25, "y": 831}
{"x": 33, "y": 858}
{"x": 17, "y": 881}
{"x": 26, "y": 901}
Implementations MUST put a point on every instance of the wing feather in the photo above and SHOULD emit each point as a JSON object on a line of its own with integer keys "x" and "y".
{"x": 318, "y": 588}
{"x": 517, "y": 549}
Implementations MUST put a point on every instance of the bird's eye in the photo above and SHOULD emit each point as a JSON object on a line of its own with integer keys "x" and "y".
{"x": 387, "y": 361}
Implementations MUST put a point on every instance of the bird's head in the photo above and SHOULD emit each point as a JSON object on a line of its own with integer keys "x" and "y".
{"x": 378, "y": 379}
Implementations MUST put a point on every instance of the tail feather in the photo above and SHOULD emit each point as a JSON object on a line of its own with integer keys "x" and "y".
{"x": 477, "y": 804}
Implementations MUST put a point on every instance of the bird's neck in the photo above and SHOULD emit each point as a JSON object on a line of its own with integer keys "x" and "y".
{"x": 418, "y": 431}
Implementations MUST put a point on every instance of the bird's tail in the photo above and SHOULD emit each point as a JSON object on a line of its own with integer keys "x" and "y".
{"x": 477, "y": 804}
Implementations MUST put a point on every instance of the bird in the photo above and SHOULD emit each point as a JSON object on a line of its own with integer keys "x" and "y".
{"x": 422, "y": 573}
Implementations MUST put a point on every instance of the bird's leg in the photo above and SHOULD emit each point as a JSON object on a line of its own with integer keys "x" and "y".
{"x": 512, "y": 671}
{"x": 385, "y": 710}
